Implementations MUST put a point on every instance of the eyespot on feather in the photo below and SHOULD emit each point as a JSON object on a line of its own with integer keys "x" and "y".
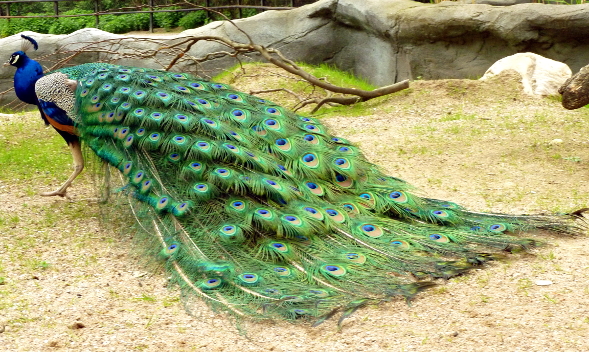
{"x": 283, "y": 144}
{"x": 318, "y": 293}
{"x": 196, "y": 85}
{"x": 367, "y": 199}
{"x": 239, "y": 205}
{"x": 310, "y": 160}
{"x": 333, "y": 270}
{"x": 231, "y": 232}
{"x": 351, "y": 208}
{"x": 398, "y": 197}
{"x": 282, "y": 271}
{"x": 401, "y": 244}
{"x": 343, "y": 181}
{"x": 138, "y": 177}
{"x": 265, "y": 214}
{"x": 170, "y": 250}
{"x": 249, "y": 278}
{"x": 371, "y": 230}
{"x": 311, "y": 139}
{"x": 335, "y": 215}
{"x": 274, "y": 111}
{"x": 440, "y": 214}
{"x": 129, "y": 141}
{"x": 497, "y": 227}
{"x": 272, "y": 291}
{"x": 342, "y": 163}
{"x": 145, "y": 186}
{"x": 279, "y": 247}
{"x": 211, "y": 284}
{"x": 272, "y": 124}
{"x": 162, "y": 203}
{"x": 201, "y": 188}
{"x": 313, "y": 212}
{"x": 181, "y": 209}
{"x": 356, "y": 258}
{"x": 292, "y": 220}
{"x": 315, "y": 188}
{"x": 436, "y": 237}
{"x": 126, "y": 168}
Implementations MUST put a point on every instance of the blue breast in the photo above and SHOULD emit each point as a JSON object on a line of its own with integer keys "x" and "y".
{"x": 25, "y": 77}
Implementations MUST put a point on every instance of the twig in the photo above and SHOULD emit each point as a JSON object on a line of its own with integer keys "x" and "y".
{"x": 253, "y": 92}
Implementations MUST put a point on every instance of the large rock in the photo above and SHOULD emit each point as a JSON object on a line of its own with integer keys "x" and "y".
{"x": 540, "y": 76}
{"x": 384, "y": 41}
{"x": 575, "y": 91}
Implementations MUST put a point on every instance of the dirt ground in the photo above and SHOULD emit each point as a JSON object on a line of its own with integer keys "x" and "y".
{"x": 481, "y": 144}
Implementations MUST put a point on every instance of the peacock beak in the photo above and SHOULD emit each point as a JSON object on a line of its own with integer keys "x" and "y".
{"x": 7, "y": 63}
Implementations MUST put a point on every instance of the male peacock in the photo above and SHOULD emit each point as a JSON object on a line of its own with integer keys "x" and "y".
{"x": 255, "y": 209}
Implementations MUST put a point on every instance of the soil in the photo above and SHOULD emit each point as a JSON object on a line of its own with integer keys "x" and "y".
{"x": 484, "y": 145}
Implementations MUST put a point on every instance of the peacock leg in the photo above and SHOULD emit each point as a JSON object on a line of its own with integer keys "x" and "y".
{"x": 105, "y": 193}
{"x": 76, "y": 149}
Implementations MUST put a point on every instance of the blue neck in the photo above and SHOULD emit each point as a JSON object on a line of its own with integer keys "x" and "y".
{"x": 25, "y": 77}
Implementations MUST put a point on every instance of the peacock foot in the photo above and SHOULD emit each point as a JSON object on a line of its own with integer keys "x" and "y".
{"x": 60, "y": 192}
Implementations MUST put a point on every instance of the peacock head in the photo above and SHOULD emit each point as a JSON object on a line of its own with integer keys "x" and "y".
{"x": 17, "y": 59}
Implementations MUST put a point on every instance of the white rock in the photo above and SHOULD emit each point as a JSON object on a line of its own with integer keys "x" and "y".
{"x": 540, "y": 75}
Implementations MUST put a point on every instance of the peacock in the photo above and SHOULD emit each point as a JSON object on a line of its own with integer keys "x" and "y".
{"x": 257, "y": 210}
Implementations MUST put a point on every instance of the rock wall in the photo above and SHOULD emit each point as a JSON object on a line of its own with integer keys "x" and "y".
{"x": 384, "y": 41}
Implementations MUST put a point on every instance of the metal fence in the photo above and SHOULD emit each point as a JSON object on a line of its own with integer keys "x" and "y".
{"x": 151, "y": 9}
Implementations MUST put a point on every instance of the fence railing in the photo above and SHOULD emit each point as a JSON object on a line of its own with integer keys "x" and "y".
{"x": 5, "y": 5}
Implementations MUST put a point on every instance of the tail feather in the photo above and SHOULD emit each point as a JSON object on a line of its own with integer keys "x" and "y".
{"x": 262, "y": 213}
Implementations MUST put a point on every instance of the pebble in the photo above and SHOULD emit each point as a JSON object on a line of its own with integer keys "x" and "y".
{"x": 76, "y": 326}
{"x": 543, "y": 282}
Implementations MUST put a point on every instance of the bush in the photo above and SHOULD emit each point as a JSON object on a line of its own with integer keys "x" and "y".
{"x": 124, "y": 23}
{"x": 17, "y": 25}
{"x": 139, "y": 21}
{"x": 248, "y": 12}
{"x": 167, "y": 20}
{"x": 193, "y": 20}
{"x": 66, "y": 25}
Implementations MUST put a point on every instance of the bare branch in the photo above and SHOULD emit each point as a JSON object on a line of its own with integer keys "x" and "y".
{"x": 253, "y": 92}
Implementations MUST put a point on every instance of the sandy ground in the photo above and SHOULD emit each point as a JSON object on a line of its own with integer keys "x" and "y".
{"x": 95, "y": 295}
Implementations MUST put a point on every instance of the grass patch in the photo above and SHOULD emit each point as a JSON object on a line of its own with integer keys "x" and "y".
{"x": 145, "y": 298}
{"x": 325, "y": 72}
{"x": 337, "y": 77}
{"x": 33, "y": 151}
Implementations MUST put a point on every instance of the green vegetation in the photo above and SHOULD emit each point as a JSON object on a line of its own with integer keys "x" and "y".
{"x": 118, "y": 23}
{"x": 34, "y": 152}
{"x": 337, "y": 77}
